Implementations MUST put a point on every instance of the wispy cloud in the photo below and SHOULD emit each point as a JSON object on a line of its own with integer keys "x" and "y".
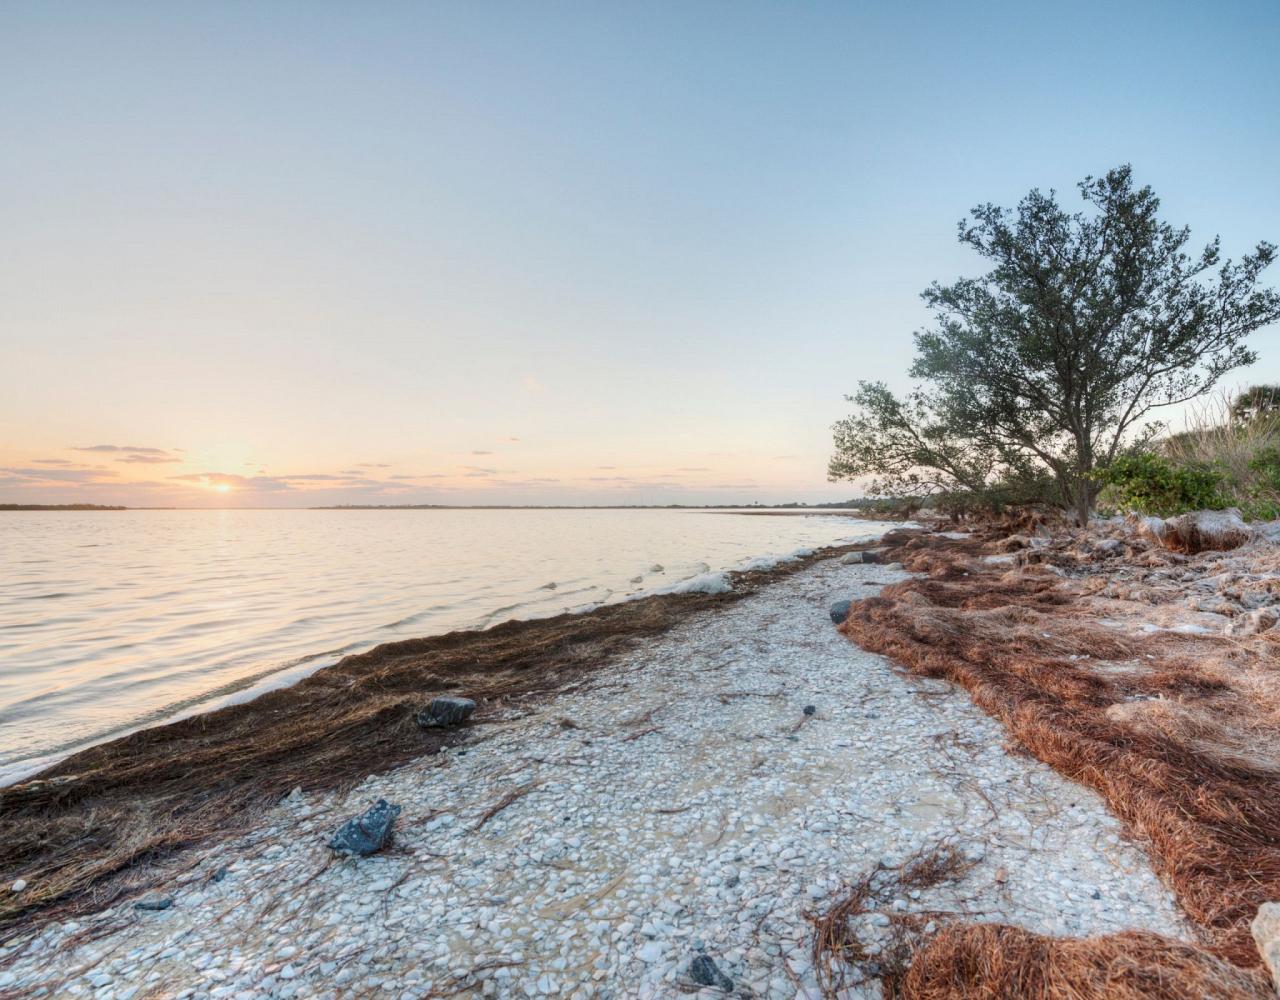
{"x": 58, "y": 475}
{"x": 136, "y": 449}
{"x": 482, "y": 453}
{"x": 139, "y": 459}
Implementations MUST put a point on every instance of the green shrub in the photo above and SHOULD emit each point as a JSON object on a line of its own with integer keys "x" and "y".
{"x": 1150, "y": 484}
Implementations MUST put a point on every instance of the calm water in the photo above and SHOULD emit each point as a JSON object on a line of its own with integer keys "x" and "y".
{"x": 109, "y": 621}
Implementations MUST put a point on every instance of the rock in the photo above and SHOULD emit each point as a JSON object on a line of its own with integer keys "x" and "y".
{"x": 1198, "y": 531}
{"x": 852, "y": 558}
{"x": 704, "y": 972}
{"x": 656, "y": 568}
{"x": 840, "y": 611}
{"x": 637, "y": 579}
{"x": 153, "y": 903}
{"x": 810, "y": 709}
{"x": 548, "y": 586}
{"x": 1266, "y": 934}
{"x": 367, "y": 833}
{"x": 1108, "y": 547}
{"x": 1262, "y": 620}
{"x": 446, "y": 712}
{"x": 19, "y": 885}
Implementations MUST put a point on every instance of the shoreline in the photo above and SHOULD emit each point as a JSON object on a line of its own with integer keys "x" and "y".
{"x": 369, "y": 697}
{"x": 592, "y": 842}
{"x": 293, "y": 661}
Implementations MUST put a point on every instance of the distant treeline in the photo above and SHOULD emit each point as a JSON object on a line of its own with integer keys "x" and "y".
{"x": 57, "y": 506}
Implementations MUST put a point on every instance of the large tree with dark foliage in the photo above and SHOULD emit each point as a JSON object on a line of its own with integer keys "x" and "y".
{"x": 1056, "y": 358}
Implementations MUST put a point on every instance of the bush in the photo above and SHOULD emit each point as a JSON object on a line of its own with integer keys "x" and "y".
{"x": 1147, "y": 483}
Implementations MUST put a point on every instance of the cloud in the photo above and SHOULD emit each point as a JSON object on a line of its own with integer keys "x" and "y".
{"x": 694, "y": 468}
{"x": 136, "y": 449}
{"x": 258, "y": 484}
{"x": 373, "y": 465}
{"x": 782, "y": 458}
{"x": 139, "y": 459}
{"x": 51, "y": 461}
{"x": 59, "y": 475}
{"x": 606, "y": 468}
{"x": 482, "y": 453}
{"x": 513, "y": 440}
{"x": 429, "y": 475}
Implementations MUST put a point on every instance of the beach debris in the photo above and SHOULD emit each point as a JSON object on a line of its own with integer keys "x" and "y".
{"x": 657, "y": 568}
{"x": 704, "y": 971}
{"x": 19, "y": 885}
{"x": 840, "y": 611}
{"x": 367, "y": 833}
{"x": 1266, "y": 933}
{"x": 155, "y": 902}
{"x": 446, "y": 711}
{"x": 810, "y": 709}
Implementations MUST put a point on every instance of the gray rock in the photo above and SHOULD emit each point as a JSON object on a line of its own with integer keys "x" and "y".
{"x": 852, "y": 558}
{"x": 840, "y": 611}
{"x": 704, "y": 972}
{"x": 367, "y": 833}
{"x": 446, "y": 712}
{"x": 153, "y": 903}
{"x": 810, "y": 709}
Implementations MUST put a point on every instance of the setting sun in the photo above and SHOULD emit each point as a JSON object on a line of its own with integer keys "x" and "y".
{"x": 222, "y": 487}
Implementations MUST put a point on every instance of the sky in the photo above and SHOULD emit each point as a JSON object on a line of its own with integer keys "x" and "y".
{"x": 290, "y": 254}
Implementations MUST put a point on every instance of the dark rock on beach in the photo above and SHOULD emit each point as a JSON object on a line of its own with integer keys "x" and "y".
{"x": 810, "y": 709}
{"x": 367, "y": 833}
{"x": 153, "y": 903}
{"x": 704, "y": 971}
{"x": 446, "y": 712}
{"x": 840, "y": 611}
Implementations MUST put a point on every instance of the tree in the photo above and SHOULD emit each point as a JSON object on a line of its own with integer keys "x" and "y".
{"x": 1054, "y": 359}
{"x": 1255, "y": 402}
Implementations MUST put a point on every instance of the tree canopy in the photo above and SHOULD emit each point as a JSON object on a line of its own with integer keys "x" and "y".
{"x": 1049, "y": 364}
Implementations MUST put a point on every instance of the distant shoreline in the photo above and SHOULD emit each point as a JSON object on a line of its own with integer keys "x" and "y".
{"x": 744, "y": 508}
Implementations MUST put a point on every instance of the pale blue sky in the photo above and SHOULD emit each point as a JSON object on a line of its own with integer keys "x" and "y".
{"x": 655, "y": 242}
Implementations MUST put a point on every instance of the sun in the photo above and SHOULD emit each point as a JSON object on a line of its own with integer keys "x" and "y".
{"x": 222, "y": 487}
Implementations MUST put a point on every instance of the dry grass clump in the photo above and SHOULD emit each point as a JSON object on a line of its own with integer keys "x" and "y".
{"x": 1180, "y": 749}
{"x": 1216, "y": 436}
{"x": 999, "y": 962}
{"x": 847, "y": 954}
{"x": 101, "y": 824}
